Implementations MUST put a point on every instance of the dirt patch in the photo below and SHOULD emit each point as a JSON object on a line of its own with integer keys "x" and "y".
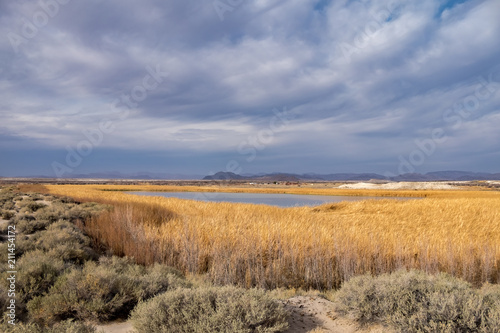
{"x": 316, "y": 314}
{"x": 122, "y": 327}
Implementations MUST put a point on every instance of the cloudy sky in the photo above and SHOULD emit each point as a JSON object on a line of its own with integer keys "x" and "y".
{"x": 198, "y": 86}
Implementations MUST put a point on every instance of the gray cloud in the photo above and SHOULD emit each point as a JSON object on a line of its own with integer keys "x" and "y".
{"x": 365, "y": 79}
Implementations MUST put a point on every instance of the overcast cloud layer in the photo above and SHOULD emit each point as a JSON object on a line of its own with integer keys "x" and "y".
{"x": 200, "y": 86}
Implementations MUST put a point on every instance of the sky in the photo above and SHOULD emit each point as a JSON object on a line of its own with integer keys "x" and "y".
{"x": 199, "y": 86}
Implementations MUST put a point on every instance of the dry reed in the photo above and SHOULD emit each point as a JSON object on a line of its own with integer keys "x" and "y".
{"x": 310, "y": 247}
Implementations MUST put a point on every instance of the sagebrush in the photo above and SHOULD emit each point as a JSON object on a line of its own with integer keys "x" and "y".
{"x": 417, "y": 302}
{"x": 210, "y": 310}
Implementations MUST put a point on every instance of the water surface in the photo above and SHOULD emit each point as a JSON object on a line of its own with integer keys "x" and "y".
{"x": 272, "y": 199}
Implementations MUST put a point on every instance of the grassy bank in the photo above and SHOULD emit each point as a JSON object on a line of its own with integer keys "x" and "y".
{"x": 457, "y": 232}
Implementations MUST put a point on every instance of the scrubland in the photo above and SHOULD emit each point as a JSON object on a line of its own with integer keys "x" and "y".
{"x": 457, "y": 232}
{"x": 65, "y": 283}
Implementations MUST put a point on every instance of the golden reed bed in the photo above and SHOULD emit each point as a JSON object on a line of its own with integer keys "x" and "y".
{"x": 310, "y": 247}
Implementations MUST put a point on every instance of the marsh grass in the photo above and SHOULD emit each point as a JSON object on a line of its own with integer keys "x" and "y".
{"x": 302, "y": 247}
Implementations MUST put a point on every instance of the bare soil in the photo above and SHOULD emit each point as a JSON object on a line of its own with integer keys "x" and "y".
{"x": 316, "y": 314}
{"x": 121, "y": 327}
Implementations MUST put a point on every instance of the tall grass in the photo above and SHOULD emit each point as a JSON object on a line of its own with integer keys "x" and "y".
{"x": 457, "y": 232}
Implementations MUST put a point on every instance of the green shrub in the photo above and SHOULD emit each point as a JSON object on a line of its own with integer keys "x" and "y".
{"x": 215, "y": 309}
{"x": 100, "y": 291}
{"x": 416, "y": 302}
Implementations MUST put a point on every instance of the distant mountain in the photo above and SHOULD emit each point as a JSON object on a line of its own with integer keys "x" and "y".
{"x": 414, "y": 177}
{"x": 290, "y": 177}
{"x": 352, "y": 176}
{"x": 409, "y": 177}
{"x": 279, "y": 177}
{"x": 225, "y": 176}
{"x": 463, "y": 175}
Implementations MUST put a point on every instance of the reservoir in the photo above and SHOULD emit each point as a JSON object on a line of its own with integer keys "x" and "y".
{"x": 272, "y": 199}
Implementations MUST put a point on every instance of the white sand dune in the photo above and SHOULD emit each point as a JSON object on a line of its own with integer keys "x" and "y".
{"x": 402, "y": 186}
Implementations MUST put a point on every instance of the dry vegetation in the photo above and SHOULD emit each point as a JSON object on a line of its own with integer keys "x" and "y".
{"x": 457, "y": 232}
{"x": 62, "y": 284}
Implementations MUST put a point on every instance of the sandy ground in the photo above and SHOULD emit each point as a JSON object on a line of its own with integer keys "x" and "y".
{"x": 402, "y": 186}
{"x": 124, "y": 327}
{"x": 308, "y": 314}
{"x": 316, "y": 314}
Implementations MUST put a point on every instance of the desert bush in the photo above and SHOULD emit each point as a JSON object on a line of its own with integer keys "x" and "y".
{"x": 23, "y": 244}
{"x": 61, "y": 240}
{"x": 416, "y": 302}
{"x": 64, "y": 200}
{"x": 62, "y": 327}
{"x": 30, "y": 206}
{"x": 28, "y": 224}
{"x": 101, "y": 291}
{"x": 4, "y": 300}
{"x": 6, "y": 197}
{"x": 8, "y": 205}
{"x": 215, "y": 309}
{"x": 36, "y": 196}
{"x": 50, "y": 214}
{"x": 37, "y": 272}
{"x": 64, "y": 240}
{"x": 7, "y": 214}
{"x": 147, "y": 281}
{"x": 491, "y": 296}
{"x": 67, "y": 211}
{"x": 31, "y": 220}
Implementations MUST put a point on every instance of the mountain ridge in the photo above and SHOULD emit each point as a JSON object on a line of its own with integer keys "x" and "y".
{"x": 430, "y": 176}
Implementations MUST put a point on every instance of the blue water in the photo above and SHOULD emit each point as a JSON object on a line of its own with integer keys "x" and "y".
{"x": 280, "y": 200}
